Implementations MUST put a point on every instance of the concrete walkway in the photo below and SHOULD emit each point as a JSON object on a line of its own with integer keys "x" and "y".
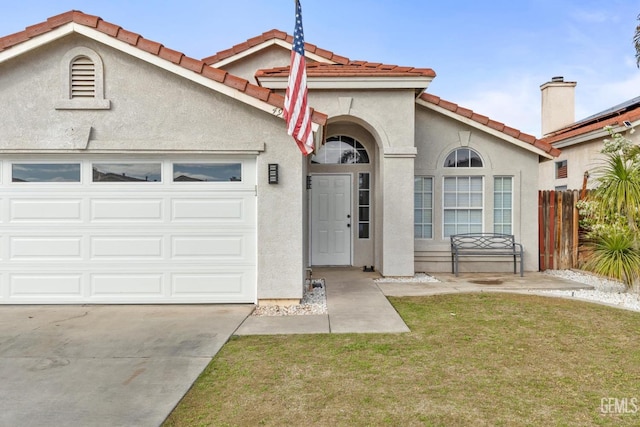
{"x": 357, "y": 303}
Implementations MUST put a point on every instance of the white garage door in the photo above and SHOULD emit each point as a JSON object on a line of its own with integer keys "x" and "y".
{"x": 127, "y": 230}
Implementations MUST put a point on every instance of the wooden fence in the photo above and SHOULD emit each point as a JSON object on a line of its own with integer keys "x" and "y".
{"x": 559, "y": 230}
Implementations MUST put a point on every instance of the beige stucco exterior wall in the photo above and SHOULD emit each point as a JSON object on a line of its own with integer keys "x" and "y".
{"x": 436, "y": 137}
{"x": 389, "y": 117}
{"x": 155, "y": 111}
{"x": 583, "y": 156}
{"x": 270, "y": 57}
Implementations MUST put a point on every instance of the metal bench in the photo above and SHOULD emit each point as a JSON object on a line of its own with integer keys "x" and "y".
{"x": 485, "y": 244}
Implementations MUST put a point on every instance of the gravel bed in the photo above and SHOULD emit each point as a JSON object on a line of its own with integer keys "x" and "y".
{"x": 418, "y": 278}
{"x": 605, "y": 291}
{"x": 314, "y": 301}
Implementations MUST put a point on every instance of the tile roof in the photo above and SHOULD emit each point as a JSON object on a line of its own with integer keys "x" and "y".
{"x": 484, "y": 120}
{"x": 152, "y": 47}
{"x": 266, "y": 37}
{"x": 351, "y": 69}
{"x": 629, "y": 111}
{"x": 344, "y": 67}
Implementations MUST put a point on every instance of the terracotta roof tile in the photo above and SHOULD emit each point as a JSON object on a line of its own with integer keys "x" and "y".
{"x": 61, "y": 19}
{"x": 87, "y": 20}
{"x": 36, "y": 30}
{"x": 13, "y": 39}
{"x": 158, "y": 49}
{"x": 192, "y": 64}
{"x": 108, "y": 28}
{"x": 480, "y": 118}
{"x": 128, "y": 37}
{"x": 267, "y": 36}
{"x": 598, "y": 123}
{"x": 214, "y": 74}
{"x": 259, "y": 92}
{"x": 236, "y": 82}
{"x": 351, "y": 69}
{"x": 484, "y": 120}
{"x": 149, "y": 46}
{"x": 496, "y": 125}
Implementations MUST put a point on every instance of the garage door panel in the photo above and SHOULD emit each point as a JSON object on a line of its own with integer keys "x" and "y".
{"x": 42, "y": 248}
{"x": 45, "y": 284}
{"x": 210, "y": 247}
{"x": 45, "y": 210}
{"x": 126, "y": 247}
{"x": 209, "y": 210}
{"x": 208, "y": 284}
{"x": 96, "y": 242}
{"x": 126, "y": 285}
{"x": 118, "y": 210}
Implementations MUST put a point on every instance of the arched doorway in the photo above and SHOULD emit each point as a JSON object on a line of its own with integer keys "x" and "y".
{"x": 342, "y": 199}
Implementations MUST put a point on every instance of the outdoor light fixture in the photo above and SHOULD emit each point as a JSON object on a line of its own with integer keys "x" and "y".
{"x": 273, "y": 173}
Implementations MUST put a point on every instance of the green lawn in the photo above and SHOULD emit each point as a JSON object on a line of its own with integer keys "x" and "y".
{"x": 471, "y": 359}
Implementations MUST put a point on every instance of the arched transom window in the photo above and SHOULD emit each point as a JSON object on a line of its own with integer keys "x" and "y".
{"x": 341, "y": 150}
{"x": 463, "y": 158}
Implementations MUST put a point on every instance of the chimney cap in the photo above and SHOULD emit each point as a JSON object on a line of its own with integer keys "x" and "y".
{"x": 557, "y": 79}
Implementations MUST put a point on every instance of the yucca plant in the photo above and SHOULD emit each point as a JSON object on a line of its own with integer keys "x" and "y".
{"x": 616, "y": 255}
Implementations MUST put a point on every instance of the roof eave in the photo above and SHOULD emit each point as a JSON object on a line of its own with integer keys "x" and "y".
{"x": 592, "y": 135}
{"x": 267, "y": 43}
{"x": 486, "y": 129}
{"x": 351, "y": 82}
{"x": 271, "y": 107}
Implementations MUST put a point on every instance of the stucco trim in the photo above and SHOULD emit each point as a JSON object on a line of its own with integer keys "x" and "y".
{"x": 67, "y": 102}
{"x": 31, "y": 44}
{"x": 400, "y": 152}
{"x": 264, "y": 45}
{"x": 484, "y": 128}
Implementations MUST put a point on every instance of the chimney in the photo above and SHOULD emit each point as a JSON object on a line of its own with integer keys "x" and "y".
{"x": 558, "y": 104}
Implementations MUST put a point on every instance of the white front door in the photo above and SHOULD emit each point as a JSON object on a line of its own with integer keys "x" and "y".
{"x": 331, "y": 219}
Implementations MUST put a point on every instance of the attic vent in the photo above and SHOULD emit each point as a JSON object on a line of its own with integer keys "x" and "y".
{"x": 82, "y": 81}
{"x": 83, "y": 78}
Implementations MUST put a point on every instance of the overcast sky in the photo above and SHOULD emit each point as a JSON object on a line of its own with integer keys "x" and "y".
{"x": 489, "y": 56}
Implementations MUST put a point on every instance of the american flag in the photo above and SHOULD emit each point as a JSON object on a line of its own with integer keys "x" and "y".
{"x": 296, "y": 110}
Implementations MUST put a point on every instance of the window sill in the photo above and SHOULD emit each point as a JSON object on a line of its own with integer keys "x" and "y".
{"x": 83, "y": 104}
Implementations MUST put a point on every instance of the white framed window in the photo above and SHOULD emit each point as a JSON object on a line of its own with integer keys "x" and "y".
{"x": 423, "y": 207}
{"x": 46, "y": 172}
{"x": 207, "y": 172}
{"x": 127, "y": 172}
{"x": 561, "y": 169}
{"x": 463, "y": 158}
{"x": 503, "y": 204}
{"x": 341, "y": 149}
{"x": 364, "y": 205}
{"x": 82, "y": 81}
{"x": 463, "y": 200}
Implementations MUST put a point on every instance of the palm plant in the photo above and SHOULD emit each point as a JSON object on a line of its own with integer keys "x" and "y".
{"x": 618, "y": 190}
{"x": 614, "y": 213}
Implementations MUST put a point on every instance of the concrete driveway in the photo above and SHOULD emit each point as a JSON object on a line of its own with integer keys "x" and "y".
{"x": 105, "y": 365}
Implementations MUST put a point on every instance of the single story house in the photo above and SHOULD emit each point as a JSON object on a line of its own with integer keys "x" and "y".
{"x": 581, "y": 141}
{"x": 132, "y": 173}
